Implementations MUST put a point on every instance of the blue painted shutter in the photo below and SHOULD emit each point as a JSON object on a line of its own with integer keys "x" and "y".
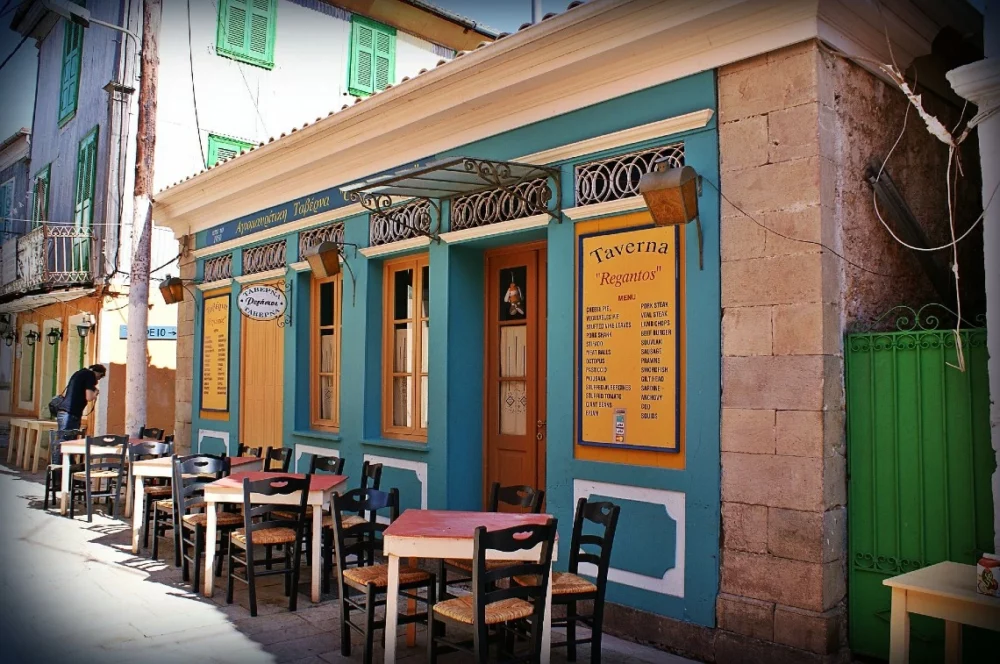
{"x": 70, "y": 81}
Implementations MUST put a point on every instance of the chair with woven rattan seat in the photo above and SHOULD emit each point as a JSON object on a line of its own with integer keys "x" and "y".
{"x": 569, "y": 588}
{"x": 247, "y": 451}
{"x": 524, "y": 497}
{"x": 363, "y": 584}
{"x": 105, "y": 468}
{"x": 510, "y": 613}
{"x": 277, "y": 459}
{"x": 150, "y": 433}
{"x": 155, "y": 489}
{"x": 269, "y": 524}
{"x": 190, "y": 475}
{"x": 53, "y": 471}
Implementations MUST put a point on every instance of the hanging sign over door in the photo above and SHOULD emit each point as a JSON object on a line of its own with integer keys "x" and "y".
{"x": 261, "y": 302}
{"x": 629, "y": 383}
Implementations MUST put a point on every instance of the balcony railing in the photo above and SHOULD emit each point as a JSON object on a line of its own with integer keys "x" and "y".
{"x": 47, "y": 257}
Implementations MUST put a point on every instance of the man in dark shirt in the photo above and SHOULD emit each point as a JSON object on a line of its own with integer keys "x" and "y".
{"x": 81, "y": 390}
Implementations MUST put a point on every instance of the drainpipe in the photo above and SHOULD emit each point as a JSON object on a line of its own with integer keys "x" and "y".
{"x": 979, "y": 82}
{"x": 536, "y": 11}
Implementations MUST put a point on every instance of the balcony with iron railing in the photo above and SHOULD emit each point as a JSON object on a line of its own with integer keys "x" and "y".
{"x": 47, "y": 258}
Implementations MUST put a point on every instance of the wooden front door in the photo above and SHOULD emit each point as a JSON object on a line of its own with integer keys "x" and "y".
{"x": 515, "y": 367}
{"x": 262, "y": 382}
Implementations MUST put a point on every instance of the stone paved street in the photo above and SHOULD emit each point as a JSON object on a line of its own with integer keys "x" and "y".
{"x": 72, "y": 591}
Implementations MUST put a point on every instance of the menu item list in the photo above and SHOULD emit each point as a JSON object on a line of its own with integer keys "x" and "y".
{"x": 215, "y": 355}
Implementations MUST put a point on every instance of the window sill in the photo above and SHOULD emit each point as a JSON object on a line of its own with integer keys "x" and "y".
{"x": 396, "y": 445}
{"x": 326, "y": 436}
{"x": 239, "y": 57}
{"x": 65, "y": 121}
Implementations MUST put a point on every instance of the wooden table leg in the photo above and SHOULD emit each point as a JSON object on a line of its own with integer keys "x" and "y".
{"x": 38, "y": 450}
{"x": 11, "y": 441}
{"x": 64, "y": 494}
{"x": 411, "y": 608}
{"x": 899, "y": 629}
{"x": 952, "y": 642}
{"x": 211, "y": 532}
{"x": 129, "y": 498}
{"x": 314, "y": 551}
{"x": 137, "y": 514}
{"x": 392, "y": 610}
{"x": 23, "y": 454}
{"x": 547, "y": 622}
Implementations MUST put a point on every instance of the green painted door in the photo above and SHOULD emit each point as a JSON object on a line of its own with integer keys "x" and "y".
{"x": 920, "y": 461}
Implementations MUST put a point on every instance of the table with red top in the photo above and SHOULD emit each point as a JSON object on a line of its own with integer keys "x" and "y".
{"x": 163, "y": 468}
{"x": 446, "y": 534}
{"x": 230, "y": 490}
{"x": 79, "y": 446}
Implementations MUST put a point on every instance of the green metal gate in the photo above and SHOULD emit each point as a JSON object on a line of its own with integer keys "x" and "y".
{"x": 920, "y": 461}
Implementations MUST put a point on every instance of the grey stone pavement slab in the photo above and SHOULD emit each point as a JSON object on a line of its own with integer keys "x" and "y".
{"x": 71, "y": 591}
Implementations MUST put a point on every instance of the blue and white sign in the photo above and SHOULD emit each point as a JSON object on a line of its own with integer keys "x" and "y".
{"x": 153, "y": 332}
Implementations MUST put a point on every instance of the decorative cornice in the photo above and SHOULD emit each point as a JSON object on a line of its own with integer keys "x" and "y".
{"x": 646, "y": 132}
{"x": 604, "y": 209}
{"x": 395, "y": 247}
{"x": 212, "y": 285}
{"x": 978, "y": 82}
{"x": 469, "y": 234}
{"x": 261, "y": 276}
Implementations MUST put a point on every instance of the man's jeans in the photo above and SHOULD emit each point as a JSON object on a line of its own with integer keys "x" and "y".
{"x": 64, "y": 422}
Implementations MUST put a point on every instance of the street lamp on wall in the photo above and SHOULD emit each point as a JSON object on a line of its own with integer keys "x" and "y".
{"x": 9, "y": 338}
{"x": 83, "y": 328}
{"x": 324, "y": 260}
{"x": 172, "y": 290}
{"x": 671, "y": 194}
{"x": 4, "y": 324}
{"x": 54, "y": 336}
{"x": 31, "y": 337}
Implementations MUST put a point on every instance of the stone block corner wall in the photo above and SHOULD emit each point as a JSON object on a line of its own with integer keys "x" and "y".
{"x": 185, "y": 356}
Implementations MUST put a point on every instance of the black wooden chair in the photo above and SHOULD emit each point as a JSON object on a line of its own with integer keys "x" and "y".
{"x": 277, "y": 459}
{"x": 191, "y": 474}
{"x": 169, "y": 439}
{"x": 154, "y": 490}
{"x": 247, "y": 451}
{"x": 163, "y": 511}
{"x": 492, "y": 607}
{"x": 53, "y": 471}
{"x": 106, "y": 468}
{"x": 270, "y": 524}
{"x": 568, "y": 588}
{"x": 525, "y": 497}
{"x": 363, "y": 584}
{"x": 150, "y": 433}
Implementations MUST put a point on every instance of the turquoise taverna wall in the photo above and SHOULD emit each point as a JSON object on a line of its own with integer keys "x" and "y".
{"x": 666, "y": 557}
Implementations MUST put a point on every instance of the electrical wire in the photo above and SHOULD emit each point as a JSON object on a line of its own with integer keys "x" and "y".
{"x": 12, "y": 53}
{"x": 194, "y": 97}
{"x": 794, "y": 239}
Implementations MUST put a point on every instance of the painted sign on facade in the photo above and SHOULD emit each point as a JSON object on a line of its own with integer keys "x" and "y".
{"x": 261, "y": 302}
{"x": 215, "y": 354}
{"x": 153, "y": 332}
{"x": 629, "y": 389}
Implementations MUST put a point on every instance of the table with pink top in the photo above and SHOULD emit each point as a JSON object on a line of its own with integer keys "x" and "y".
{"x": 230, "y": 490}
{"x": 441, "y": 534}
{"x": 163, "y": 468}
{"x": 79, "y": 446}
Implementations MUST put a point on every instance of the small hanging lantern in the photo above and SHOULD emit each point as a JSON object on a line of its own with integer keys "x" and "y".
{"x": 31, "y": 337}
{"x": 54, "y": 336}
{"x": 172, "y": 290}
{"x": 4, "y": 324}
{"x": 671, "y": 194}
{"x": 324, "y": 260}
{"x": 9, "y": 338}
{"x": 83, "y": 328}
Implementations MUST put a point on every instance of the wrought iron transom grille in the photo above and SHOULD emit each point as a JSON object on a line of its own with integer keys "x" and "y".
{"x": 218, "y": 268}
{"x": 263, "y": 258}
{"x": 309, "y": 240}
{"x": 617, "y": 177}
{"x": 497, "y": 205}
{"x": 400, "y": 223}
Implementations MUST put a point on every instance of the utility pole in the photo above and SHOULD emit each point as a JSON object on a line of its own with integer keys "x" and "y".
{"x": 142, "y": 223}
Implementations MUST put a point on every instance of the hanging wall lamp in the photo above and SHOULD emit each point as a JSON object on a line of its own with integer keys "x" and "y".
{"x": 83, "y": 327}
{"x": 31, "y": 337}
{"x": 671, "y": 194}
{"x": 9, "y": 338}
{"x": 54, "y": 336}
{"x": 4, "y": 324}
{"x": 324, "y": 260}
{"x": 172, "y": 290}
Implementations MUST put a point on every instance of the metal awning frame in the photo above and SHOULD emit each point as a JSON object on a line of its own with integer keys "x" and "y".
{"x": 449, "y": 179}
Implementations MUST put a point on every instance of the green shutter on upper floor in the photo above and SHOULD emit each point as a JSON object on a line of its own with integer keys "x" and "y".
{"x": 221, "y": 148}
{"x": 83, "y": 208}
{"x": 373, "y": 56}
{"x": 246, "y": 31}
{"x": 40, "y": 197}
{"x": 69, "y": 87}
{"x": 6, "y": 204}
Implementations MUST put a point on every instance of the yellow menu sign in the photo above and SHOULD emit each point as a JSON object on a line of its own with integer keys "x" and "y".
{"x": 629, "y": 339}
{"x": 215, "y": 354}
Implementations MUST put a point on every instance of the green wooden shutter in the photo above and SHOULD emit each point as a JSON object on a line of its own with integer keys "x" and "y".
{"x": 221, "y": 148}
{"x": 385, "y": 59}
{"x": 70, "y": 81}
{"x": 6, "y": 204}
{"x": 40, "y": 206}
{"x": 246, "y": 31}
{"x": 86, "y": 174}
{"x": 373, "y": 56}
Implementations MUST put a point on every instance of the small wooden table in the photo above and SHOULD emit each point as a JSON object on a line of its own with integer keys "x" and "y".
{"x": 15, "y": 441}
{"x": 79, "y": 446}
{"x": 37, "y": 429}
{"x": 947, "y": 591}
{"x": 230, "y": 490}
{"x": 163, "y": 467}
{"x": 440, "y": 534}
